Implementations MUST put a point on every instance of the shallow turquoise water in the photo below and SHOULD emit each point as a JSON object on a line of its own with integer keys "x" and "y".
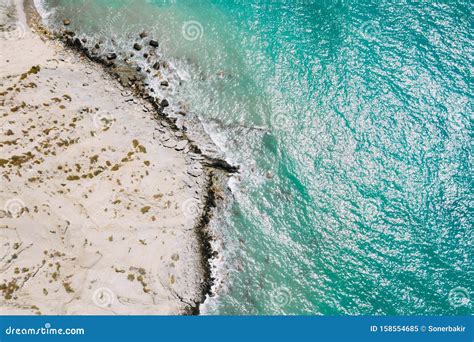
{"x": 361, "y": 113}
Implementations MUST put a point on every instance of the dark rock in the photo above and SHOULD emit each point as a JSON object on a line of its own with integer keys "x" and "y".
{"x": 181, "y": 145}
{"x": 84, "y": 40}
{"x": 143, "y": 34}
{"x": 77, "y": 43}
{"x": 164, "y": 83}
{"x": 194, "y": 172}
{"x": 69, "y": 33}
{"x": 137, "y": 46}
{"x": 221, "y": 164}
{"x": 164, "y": 103}
{"x": 145, "y": 55}
{"x": 138, "y": 68}
{"x": 66, "y": 22}
{"x": 154, "y": 43}
{"x": 111, "y": 56}
{"x": 97, "y": 46}
{"x": 156, "y": 66}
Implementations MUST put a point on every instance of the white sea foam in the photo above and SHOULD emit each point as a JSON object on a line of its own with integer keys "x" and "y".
{"x": 41, "y": 9}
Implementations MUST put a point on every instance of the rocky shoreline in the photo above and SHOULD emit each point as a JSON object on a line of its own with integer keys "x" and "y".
{"x": 132, "y": 77}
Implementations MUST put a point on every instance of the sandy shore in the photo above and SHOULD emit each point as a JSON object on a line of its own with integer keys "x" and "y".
{"x": 97, "y": 208}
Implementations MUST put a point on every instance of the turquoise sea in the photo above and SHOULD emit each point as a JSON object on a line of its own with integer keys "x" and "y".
{"x": 352, "y": 122}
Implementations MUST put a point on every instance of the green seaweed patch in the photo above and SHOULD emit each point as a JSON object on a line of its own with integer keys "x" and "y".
{"x": 67, "y": 142}
{"x": 17, "y": 108}
{"x": 67, "y": 287}
{"x": 8, "y": 289}
{"x": 8, "y": 142}
{"x": 17, "y": 160}
{"x": 33, "y": 70}
{"x": 136, "y": 145}
{"x": 47, "y": 130}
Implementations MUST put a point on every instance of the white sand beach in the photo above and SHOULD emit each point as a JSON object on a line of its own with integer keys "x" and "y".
{"x": 97, "y": 210}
